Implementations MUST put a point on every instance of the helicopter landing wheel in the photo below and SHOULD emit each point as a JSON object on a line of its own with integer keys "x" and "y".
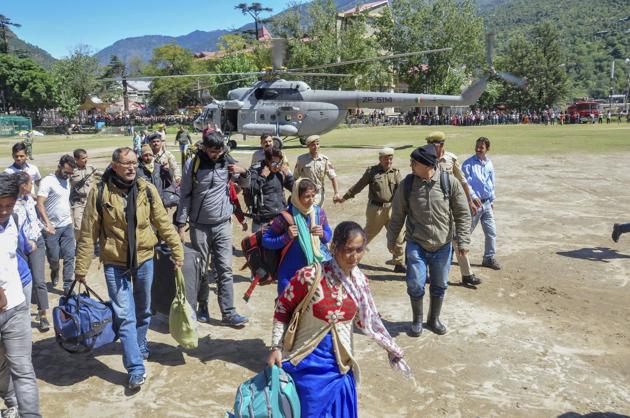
{"x": 277, "y": 143}
{"x": 302, "y": 140}
{"x": 232, "y": 144}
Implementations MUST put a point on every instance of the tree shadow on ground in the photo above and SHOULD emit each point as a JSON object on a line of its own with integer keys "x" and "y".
{"x": 603, "y": 254}
{"x": 593, "y": 415}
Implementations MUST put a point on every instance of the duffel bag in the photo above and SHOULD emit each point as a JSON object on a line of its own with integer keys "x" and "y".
{"x": 82, "y": 323}
{"x": 271, "y": 393}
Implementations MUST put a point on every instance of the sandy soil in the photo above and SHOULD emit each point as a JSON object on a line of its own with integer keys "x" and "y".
{"x": 546, "y": 336}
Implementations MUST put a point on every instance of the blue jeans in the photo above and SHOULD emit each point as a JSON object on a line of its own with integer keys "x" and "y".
{"x": 485, "y": 215}
{"x": 17, "y": 377}
{"x": 422, "y": 263}
{"x": 62, "y": 245}
{"x": 132, "y": 311}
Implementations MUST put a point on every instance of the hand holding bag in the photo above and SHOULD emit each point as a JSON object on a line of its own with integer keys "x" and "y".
{"x": 181, "y": 321}
{"x": 289, "y": 335}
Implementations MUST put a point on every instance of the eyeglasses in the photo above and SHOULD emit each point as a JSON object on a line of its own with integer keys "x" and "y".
{"x": 275, "y": 164}
{"x": 128, "y": 164}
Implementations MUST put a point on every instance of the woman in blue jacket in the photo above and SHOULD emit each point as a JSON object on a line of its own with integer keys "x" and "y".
{"x": 303, "y": 235}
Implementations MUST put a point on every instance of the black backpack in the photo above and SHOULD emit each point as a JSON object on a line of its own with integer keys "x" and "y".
{"x": 445, "y": 185}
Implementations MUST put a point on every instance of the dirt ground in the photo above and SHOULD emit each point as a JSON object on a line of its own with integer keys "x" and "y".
{"x": 546, "y": 336}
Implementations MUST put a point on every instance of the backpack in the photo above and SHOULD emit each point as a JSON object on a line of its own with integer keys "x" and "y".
{"x": 445, "y": 185}
{"x": 82, "y": 323}
{"x": 263, "y": 262}
{"x": 269, "y": 394}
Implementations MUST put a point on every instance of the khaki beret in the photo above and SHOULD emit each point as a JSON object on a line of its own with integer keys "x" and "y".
{"x": 386, "y": 151}
{"x": 436, "y": 136}
{"x": 311, "y": 139}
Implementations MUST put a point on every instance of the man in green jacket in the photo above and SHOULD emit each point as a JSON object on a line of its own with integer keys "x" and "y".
{"x": 122, "y": 218}
{"x": 428, "y": 202}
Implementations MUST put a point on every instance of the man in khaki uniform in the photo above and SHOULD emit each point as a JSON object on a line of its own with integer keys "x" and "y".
{"x": 80, "y": 182}
{"x": 447, "y": 161}
{"x": 383, "y": 180}
{"x": 316, "y": 167}
{"x": 164, "y": 157}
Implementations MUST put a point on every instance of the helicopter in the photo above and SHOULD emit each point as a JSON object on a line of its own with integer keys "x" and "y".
{"x": 287, "y": 108}
{"x": 290, "y": 108}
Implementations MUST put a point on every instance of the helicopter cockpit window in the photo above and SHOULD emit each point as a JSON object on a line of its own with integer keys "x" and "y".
{"x": 262, "y": 116}
{"x": 272, "y": 117}
{"x": 275, "y": 93}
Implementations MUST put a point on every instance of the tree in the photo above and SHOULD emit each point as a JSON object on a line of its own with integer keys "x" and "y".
{"x": 254, "y": 10}
{"x": 539, "y": 59}
{"x": 5, "y": 22}
{"x": 76, "y": 76}
{"x": 239, "y": 56}
{"x": 169, "y": 94}
{"x": 24, "y": 85}
{"x": 112, "y": 90}
{"x": 170, "y": 59}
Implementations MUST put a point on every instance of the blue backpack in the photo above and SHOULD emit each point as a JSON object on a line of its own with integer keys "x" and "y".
{"x": 269, "y": 394}
{"x": 82, "y": 323}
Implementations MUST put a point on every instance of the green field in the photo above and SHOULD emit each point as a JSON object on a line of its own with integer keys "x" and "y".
{"x": 513, "y": 140}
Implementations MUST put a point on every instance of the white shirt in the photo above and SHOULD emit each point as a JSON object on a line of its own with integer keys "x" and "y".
{"x": 9, "y": 274}
{"x": 57, "y": 194}
{"x": 30, "y": 169}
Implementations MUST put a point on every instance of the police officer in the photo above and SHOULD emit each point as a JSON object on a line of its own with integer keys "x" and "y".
{"x": 316, "y": 167}
{"x": 448, "y": 161}
{"x": 383, "y": 180}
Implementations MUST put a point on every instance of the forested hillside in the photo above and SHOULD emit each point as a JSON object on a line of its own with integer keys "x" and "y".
{"x": 592, "y": 34}
{"x": 21, "y": 48}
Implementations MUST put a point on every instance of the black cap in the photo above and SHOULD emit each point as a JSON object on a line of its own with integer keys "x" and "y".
{"x": 425, "y": 155}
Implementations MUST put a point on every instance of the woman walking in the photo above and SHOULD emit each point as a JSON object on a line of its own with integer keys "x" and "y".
{"x": 321, "y": 360}
{"x": 303, "y": 234}
{"x": 27, "y": 217}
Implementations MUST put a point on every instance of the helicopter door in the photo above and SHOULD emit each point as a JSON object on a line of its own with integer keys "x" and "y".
{"x": 229, "y": 119}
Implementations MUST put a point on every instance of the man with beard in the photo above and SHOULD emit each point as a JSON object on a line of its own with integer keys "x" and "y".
{"x": 53, "y": 205}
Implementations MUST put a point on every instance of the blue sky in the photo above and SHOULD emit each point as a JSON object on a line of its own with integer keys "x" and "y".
{"x": 59, "y": 25}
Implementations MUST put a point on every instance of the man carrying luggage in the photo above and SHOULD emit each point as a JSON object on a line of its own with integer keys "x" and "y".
{"x": 205, "y": 204}
{"x": 121, "y": 213}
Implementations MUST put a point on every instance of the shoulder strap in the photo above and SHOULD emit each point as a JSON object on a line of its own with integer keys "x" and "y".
{"x": 99, "y": 198}
{"x": 288, "y": 218}
{"x": 15, "y": 220}
{"x": 311, "y": 292}
{"x": 445, "y": 184}
{"x": 407, "y": 183}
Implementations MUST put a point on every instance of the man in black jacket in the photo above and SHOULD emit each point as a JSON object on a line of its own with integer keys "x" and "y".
{"x": 153, "y": 172}
{"x": 265, "y": 196}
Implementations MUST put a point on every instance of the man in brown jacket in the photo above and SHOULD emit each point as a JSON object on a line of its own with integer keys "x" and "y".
{"x": 427, "y": 202}
{"x": 121, "y": 212}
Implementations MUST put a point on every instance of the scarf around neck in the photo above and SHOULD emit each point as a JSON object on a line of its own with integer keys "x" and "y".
{"x": 309, "y": 243}
{"x": 370, "y": 322}
{"x": 131, "y": 188}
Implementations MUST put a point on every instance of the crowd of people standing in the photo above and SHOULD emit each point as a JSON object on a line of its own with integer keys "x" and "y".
{"x": 122, "y": 214}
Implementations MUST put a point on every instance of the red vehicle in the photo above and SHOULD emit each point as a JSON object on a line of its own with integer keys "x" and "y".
{"x": 581, "y": 111}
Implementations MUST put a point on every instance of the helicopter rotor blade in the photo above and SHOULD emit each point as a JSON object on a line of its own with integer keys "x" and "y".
{"x": 278, "y": 52}
{"x": 315, "y": 74}
{"x": 223, "y": 83}
{"x": 490, "y": 38}
{"x": 156, "y": 77}
{"x": 359, "y": 61}
{"x": 511, "y": 78}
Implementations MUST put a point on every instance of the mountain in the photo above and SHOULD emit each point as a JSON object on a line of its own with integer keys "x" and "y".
{"x": 142, "y": 46}
{"x": 197, "y": 41}
{"x": 19, "y": 47}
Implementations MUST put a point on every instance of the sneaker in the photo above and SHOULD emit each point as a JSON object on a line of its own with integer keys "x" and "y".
{"x": 10, "y": 412}
{"x": 491, "y": 263}
{"x": 616, "y": 232}
{"x": 471, "y": 280}
{"x": 44, "y": 325}
{"x": 135, "y": 381}
{"x": 234, "y": 320}
{"x": 399, "y": 268}
{"x": 203, "y": 315}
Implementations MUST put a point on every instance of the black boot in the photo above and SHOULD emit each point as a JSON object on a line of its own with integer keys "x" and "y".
{"x": 434, "y": 323}
{"x": 202, "y": 312}
{"x": 416, "y": 325}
